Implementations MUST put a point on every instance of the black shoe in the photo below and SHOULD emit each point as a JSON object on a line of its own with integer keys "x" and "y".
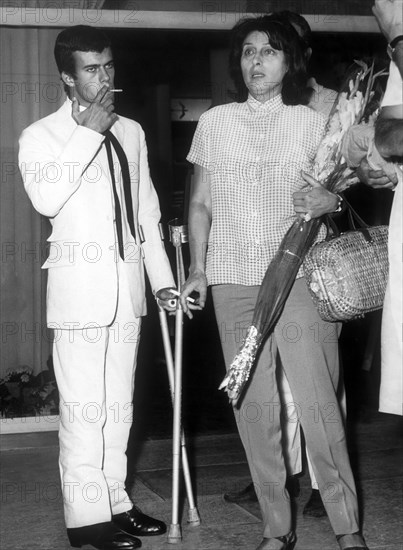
{"x": 315, "y": 507}
{"x": 355, "y": 541}
{"x": 248, "y": 494}
{"x": 104, "y": 536}
{"x": 288, "y": 541}
{"x": 136, "y": 523}
{"x": 292, "y": 486}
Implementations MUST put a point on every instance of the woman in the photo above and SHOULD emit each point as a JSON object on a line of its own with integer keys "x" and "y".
{"x": 247, "y": 189}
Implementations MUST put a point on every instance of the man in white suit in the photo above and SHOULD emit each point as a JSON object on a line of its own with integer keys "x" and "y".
{"x": 86, "y": 169}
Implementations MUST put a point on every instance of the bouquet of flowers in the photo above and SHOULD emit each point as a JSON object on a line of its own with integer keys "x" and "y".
{"x": 354, "y": 112}
{"x": 331, "y": 170}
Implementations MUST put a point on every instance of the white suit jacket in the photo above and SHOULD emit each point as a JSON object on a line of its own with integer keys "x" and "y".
{"x": 66, "y": 175}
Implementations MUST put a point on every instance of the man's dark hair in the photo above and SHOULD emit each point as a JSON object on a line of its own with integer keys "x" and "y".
{"x": 81, "y": 38}
{"x": 299, "y": 23}
{"x": 282, "y": 36}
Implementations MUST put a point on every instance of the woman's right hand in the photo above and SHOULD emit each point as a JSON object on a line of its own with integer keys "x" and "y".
{"x": 196, "y": 282}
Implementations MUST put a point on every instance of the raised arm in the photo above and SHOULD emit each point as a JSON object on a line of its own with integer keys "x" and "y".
{"x": 389, "y": 126}
{"x": 389, "y": 14}
{"x": 51, "y": 179}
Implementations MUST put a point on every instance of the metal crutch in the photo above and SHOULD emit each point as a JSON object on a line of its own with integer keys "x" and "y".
{"x": 178, "y": 235}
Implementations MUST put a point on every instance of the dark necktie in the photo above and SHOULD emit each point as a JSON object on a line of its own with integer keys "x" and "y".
{"x": 110, "y": 139}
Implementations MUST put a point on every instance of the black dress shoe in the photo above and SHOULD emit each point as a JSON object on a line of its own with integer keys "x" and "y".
{"x": 288, "y": 542}
{"x": 355, "y": 541}
{"x": 292, "y": 486}
{"x": 104, "y": 536}
{"x": 136, "y": 523}
{"x": 248, "y": 494}
{"x": 314, "y": 508}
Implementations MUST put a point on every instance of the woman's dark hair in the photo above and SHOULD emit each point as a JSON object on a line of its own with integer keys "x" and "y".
{"x": 81, "y": 38}
{"x": 282, "y": 36}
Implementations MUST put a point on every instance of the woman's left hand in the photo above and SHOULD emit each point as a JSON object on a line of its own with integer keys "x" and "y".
{"x": 315, "y": 202}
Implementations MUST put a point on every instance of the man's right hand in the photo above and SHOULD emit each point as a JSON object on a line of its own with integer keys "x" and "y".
{"x": 99, "y": 115}
{"x": 377, "y": 179}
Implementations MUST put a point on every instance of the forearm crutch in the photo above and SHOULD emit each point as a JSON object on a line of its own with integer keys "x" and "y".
{"x": 178, "y": 235}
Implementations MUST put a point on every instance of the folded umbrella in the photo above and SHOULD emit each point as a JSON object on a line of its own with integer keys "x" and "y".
{"x": 274, "y": 290}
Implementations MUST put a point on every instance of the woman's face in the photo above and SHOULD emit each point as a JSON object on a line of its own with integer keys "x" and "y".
{"x": 263, "y": 67}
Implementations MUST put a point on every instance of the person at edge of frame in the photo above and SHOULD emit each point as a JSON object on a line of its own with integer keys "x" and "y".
{"x": 379, "y": 153}
{"x": 389, "y": 143}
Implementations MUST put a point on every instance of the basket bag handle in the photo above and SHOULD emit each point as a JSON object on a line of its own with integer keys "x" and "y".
{"x": 355, "y": 222}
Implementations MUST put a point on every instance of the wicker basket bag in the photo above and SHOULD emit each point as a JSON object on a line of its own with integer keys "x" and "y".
{"x": 347, "y": 273}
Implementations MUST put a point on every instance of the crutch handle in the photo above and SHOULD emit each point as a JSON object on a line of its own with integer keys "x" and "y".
{"x": 178, "y": 232}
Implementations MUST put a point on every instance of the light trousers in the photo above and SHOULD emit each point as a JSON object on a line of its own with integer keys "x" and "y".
{"x": 308, "y": 348}
{"x": 95, "y": 370}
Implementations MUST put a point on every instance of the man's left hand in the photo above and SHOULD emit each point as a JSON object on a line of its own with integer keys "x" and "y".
{"x": 315, "y": 202}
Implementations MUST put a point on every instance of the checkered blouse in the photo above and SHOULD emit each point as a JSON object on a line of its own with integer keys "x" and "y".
{"x": 254, "y": 153}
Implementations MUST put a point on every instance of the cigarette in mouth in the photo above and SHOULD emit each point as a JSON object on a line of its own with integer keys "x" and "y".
{"x": 116, "y": 90}
{"x": 177, "y": 293}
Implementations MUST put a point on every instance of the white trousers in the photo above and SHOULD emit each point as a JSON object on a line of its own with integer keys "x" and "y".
{"x": 94, "y": 370}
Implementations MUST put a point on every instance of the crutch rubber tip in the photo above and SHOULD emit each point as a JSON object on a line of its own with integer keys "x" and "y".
{"x": 193, "y": 517}
{"x": 174, "y": 533}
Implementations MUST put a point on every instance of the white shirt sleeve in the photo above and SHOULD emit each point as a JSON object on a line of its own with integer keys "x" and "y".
{"x": 394, "y": 87}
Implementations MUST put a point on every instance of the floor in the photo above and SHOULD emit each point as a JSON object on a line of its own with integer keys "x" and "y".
{"x": 32, "y": 515}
